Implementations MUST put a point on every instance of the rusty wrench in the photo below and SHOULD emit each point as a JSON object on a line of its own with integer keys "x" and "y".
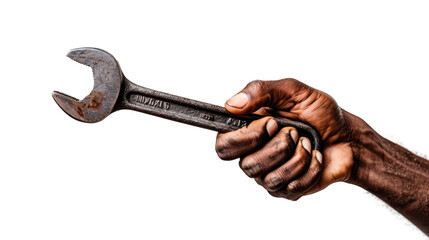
{"x": 113, "y": 92}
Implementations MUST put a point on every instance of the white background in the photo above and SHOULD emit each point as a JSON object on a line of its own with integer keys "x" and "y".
{"x": 134, "y": 176}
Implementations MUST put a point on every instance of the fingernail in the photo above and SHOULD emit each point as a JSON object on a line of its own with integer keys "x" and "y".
{"x": 306, "y": 144}
{"x": 252, "y": 170}
{"x": 294, "y": 135}
{"x": 271, "y": 127}
{"x": 238, "y": 101}
{"x": 319, "y": 156}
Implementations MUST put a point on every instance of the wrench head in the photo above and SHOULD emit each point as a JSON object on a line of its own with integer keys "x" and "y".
{"x": 108, "y": 79}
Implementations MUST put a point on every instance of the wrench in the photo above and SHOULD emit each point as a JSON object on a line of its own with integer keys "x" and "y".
{"x": 113, "y": 91}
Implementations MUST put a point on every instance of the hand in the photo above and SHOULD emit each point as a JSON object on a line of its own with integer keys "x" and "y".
{"x": 279, "y": 161}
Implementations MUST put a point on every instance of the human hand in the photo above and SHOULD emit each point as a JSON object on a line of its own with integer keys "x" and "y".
{"x": 279, "y": 161}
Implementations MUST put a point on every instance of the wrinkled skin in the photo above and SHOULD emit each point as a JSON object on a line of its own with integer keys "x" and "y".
{"x": 277, "y": 158}
{"x": 285, "y": 165}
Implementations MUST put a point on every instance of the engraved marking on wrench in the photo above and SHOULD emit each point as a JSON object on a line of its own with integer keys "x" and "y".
{"x": 236, "y": 122}
{"x": 140, "y": 99}
{"x": 207, "y": 117}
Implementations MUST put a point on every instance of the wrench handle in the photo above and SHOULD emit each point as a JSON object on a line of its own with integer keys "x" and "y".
{"x": 197, "y": 113}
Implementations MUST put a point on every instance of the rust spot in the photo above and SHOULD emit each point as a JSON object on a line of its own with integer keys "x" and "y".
{"x": 95, "y": 100}
{"x": 79, "y": 110}
{"x": 91, "y": 102}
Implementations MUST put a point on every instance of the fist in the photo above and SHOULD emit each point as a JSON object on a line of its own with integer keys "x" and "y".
{"x": 278, "y": 159}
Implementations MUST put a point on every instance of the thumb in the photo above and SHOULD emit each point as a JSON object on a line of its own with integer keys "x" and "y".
{"x": 273, "y": 94}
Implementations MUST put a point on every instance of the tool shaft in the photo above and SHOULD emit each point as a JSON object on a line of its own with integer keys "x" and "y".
{"x": 196, "y": 113}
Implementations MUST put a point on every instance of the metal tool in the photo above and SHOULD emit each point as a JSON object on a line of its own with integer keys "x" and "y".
{"x": 113, "y": 92}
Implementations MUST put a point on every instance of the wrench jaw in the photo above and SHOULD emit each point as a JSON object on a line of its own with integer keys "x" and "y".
{"x": 86, "y": 110}
{"x": 108, "y": 79}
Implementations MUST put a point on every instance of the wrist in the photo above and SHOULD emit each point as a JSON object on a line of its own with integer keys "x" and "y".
{"x": 391, "y": 172}
{"x": 366, "y": 145}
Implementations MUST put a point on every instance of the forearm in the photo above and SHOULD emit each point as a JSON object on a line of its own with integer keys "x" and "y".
{"x": 392, "y": 173}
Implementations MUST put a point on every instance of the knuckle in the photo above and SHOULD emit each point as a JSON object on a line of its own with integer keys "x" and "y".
{"x": 288, "y": 129}
{"x": 303, "y": 156}
{"x": 285, "y": 130}
{"x": 273, "y": 183}
{"x": 256, "y": 136}
{"x": 299, "y": 155}
{"x": 296, "y": 86}
{"x": 290, "y": 83}
{"x": 290, "y": 80}
{"x": 251, "y": 166}
{"x": 221, "y": 149}
{"x": 302, "y": 162}
{"x": 277, "y": 153}
{"x": 275, "y": 194}
{"x": 284, "y": 135}
{"x": 305, "y": 182}
{"x": 292, "y": 196}
{"x": 313, "y": 174}
{"x": 273, "y": 178}
{"x": 286, "y": 171}
{"x": 295, "y": 186}
{"x": 284, "y": 141}
{"x": 281, "y": 146}
{"x": 256, "y": 84}
{"x": 318, "y": 167}
{"x": 222, "y": 153}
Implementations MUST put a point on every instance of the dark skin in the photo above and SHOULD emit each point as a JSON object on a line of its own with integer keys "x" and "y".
{"x": 286, "y": 166}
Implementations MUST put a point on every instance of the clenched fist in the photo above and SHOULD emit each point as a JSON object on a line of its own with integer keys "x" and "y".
{"x": 278, "y": 159}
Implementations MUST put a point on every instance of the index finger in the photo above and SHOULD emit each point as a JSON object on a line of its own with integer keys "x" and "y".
{"x": 246, "y": 140}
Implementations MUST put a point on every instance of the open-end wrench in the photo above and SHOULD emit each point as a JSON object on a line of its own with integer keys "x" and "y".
{"x": 113, "y": 92}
